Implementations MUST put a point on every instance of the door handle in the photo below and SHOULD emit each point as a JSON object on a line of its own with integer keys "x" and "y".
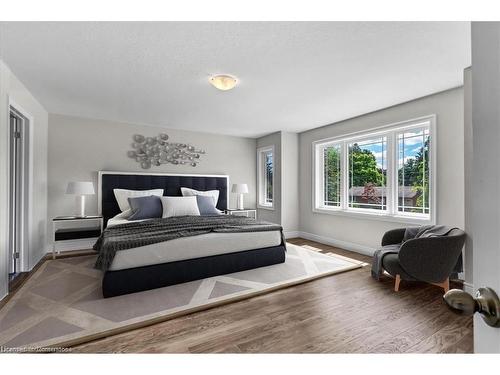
{"x": 485, "y": 302}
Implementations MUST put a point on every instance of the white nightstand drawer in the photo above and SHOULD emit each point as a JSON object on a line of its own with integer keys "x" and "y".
{"x": 246, "y": 212}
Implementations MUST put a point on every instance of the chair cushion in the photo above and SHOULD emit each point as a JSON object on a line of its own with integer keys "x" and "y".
{"x": 390, "y": 263}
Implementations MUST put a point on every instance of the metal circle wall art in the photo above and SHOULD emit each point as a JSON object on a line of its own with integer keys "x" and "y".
{"x": 156, "y": 151}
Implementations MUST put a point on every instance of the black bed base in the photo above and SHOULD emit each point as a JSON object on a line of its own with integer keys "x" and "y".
{"x": 116, "y": 283}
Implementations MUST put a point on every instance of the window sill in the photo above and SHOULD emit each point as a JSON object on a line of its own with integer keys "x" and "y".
{"x": 375, "y": 216}
{"x": 270, "y": 208}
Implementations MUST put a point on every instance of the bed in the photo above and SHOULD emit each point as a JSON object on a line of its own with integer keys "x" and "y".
{"x": 181, "y": 259}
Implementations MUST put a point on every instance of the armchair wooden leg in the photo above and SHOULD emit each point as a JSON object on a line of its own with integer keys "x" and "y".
{"x": 396, "y": 283}
{"x": 445, "y": 285}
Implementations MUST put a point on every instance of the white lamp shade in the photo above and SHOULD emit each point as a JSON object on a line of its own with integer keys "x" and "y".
{"x": 80, "y": 188}
{"x": 240, "y": 188}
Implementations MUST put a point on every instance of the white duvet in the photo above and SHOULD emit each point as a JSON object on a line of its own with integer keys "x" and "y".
{"x": 189, "y": 247}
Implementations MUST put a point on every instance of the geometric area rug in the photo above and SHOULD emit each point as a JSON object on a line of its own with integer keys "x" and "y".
{"x": 61, "y": 304}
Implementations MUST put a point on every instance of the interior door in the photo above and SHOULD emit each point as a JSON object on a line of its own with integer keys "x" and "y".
{"x": 14, "y": 196}
{"x": 17, "y": 190}
{"x": 486, "y": 172}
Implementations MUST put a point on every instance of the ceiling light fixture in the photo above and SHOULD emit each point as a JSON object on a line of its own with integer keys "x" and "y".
{"x": 223, "y": 82}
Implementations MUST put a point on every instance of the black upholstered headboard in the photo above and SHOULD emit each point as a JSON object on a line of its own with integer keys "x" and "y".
{"x": 171, "y": 183}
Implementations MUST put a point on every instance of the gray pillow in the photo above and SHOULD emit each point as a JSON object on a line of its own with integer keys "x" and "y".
{"x": 206, "y": 205}
{"x": 410, "y": 233}
{"x": 145, "y": 207}
{"x": 423, "y": 231}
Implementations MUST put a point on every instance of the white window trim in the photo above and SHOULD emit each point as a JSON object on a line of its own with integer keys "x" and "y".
{"x": 261, "y": 180}
{"x": 390, "y": 215}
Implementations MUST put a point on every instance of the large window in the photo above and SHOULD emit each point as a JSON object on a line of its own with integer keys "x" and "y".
{"x": 385, "y": 172}
{"x": 265, "y": 162}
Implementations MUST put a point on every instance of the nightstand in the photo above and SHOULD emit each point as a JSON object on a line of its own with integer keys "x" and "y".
{"x": 251, "y": 212}
{"x": 70, "y": 229}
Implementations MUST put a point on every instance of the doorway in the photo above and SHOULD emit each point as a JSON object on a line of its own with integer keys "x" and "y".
{"x": 18, "y": 190}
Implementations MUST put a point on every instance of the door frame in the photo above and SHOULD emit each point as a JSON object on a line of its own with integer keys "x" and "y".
{"x": 27, "y": 181}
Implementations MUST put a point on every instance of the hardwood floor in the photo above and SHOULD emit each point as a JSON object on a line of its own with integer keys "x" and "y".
{"x": 344, "y": 313}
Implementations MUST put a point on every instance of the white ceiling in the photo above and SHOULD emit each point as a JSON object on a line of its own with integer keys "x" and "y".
{"x": 294, "y": 75}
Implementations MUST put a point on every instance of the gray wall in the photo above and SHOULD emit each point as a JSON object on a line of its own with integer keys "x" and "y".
{"x": 11, "y": 87}
{"x": 286, "y": 181}
{"x": 362, "y": 234}
{"x": 290, "y": 183}
{"x": 272, "y": 215}
{"x": 80, "y": 147}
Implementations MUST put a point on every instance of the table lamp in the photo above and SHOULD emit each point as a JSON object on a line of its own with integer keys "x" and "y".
{"x": 80, "y": 189}
{"x": 240, "y": 189}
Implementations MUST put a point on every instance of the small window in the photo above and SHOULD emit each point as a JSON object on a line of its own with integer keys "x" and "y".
{"x": 265, "y": 162}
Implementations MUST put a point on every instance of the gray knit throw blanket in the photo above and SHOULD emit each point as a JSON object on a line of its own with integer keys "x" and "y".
{"x": 131, "y": 235}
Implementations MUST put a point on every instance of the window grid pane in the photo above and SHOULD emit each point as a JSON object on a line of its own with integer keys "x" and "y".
{"x": 268, "y": 182}
{"x": 413, "y": 171}
{"x": 331, "y": 176}
{"x": 368, "y": 174}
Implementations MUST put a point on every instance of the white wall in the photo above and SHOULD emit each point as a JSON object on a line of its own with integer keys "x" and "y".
{"x": 365, "y": 235}
{"x": 11, "y": 88}
{"x": 79, "y": 147}
{"x": 468, "y": 153}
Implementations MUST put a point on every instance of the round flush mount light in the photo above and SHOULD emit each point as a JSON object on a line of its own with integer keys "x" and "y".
{"x": 223, "y": 82}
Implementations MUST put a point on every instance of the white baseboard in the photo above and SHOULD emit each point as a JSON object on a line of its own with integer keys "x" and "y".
{"x": 361, "y": 249}
{"x": 292, "y": 234}
{"x": 37, "y": 260}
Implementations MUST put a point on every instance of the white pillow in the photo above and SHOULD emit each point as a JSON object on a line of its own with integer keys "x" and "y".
{"x": 180, "y": 206}
{"x": 187, "y": 192}
{"x": 122, "y": 196}
{"x": 124, "y": 214}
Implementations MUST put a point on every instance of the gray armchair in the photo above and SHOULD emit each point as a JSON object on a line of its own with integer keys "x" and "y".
{"x": 430, "y": 259}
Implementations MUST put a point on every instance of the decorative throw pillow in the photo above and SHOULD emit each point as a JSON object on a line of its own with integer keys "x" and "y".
{"x": 149, "y": 207}
{"x": 122, "y": 196}
{"x": 187, "y": 192}
{"x": 206, "y": 206}
{"x": 180, "y": 206}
